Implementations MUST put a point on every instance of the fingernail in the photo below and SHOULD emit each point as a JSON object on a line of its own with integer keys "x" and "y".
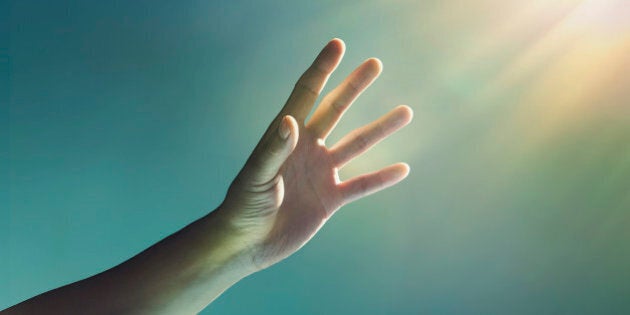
{"x": 284, "y": 130}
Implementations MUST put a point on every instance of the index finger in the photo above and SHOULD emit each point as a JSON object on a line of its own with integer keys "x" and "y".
{"x": 312, "y": 81}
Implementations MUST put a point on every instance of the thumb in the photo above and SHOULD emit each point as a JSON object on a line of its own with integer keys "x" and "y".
{"x": 267, "y": 161}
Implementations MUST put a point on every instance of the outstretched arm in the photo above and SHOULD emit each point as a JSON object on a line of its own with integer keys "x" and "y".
{"x": 286, "y": 191}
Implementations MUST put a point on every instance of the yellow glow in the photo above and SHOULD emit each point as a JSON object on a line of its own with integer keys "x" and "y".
{"x": 564, "y": 73}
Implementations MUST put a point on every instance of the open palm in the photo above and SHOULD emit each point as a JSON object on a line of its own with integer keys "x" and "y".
{"x": 289, "y": 186}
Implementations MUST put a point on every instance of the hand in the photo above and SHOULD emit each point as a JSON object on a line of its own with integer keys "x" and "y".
{"x": 285, "y": 192}
{"x": 289, "y": 186}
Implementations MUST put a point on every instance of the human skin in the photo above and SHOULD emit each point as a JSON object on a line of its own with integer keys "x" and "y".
{"x": 288, "y": 188}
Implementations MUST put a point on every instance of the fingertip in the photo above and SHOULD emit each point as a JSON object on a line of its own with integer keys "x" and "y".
{"x": 395, "y": 173}
{"x": 375, "y": 63}
{"x": 403, "y": 169}
{"x": 293, "y": 129}
{"x": 291, "y": 122}
{"x": 335, "y": 47}
{"x": 284, "y": 129}
{"x": 331, "y": 55}
{"x": 338, "y": 44}
{"x": 288, "y": 125}
{"x": 406, "y": 113}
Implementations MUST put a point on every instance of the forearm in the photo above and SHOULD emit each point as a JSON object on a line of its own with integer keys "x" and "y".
{"x": 181, "y": 274}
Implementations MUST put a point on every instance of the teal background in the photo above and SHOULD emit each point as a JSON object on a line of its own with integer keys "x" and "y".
{"x": 123, "y": 121}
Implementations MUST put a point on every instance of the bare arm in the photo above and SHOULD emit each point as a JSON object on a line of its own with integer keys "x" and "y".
{"x": 286, "y": 191}
{"x": 181, "y": 274}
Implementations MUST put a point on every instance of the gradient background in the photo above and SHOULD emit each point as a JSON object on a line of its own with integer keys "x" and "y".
{"x": 123, "y": 121}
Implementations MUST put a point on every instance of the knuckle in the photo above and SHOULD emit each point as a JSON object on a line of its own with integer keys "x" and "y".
{"x": 338, "y": 106}
{"x": 361, "y": 142}
{"x": 353, "y": 87}
{"x": 363, "y": 184}
{"x": 301, "y": 85}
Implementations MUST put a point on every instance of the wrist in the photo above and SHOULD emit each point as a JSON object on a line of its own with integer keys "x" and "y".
{"x": 238, "y": 244}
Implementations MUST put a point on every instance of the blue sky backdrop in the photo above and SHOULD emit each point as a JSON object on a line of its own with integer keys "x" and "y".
{"x": 122, "y": 121}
